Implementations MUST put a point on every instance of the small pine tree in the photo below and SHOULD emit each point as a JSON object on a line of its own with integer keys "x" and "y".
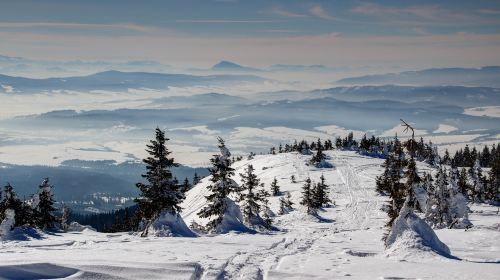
{"x": 275, "y": 188}
{"x": 185, "y": 187}
{"x": 286, "y": 204}
{"x": 463, "y": 185}
{"x": 221, "y": 187}
{"x": 307, "y": 197}
{"x": 65, "y": 217}
{"x": 318, "y": 159}
{"x": 249, "y": 196}
{"x": 292, "y": 179}
{"x": 45, "y": 208}
{"x": 438, "y": 204}
{"x": 320, "y": 194}
{"x": 477, "y": 182}
{"x": 162, "y": 191}
{"x": 265, "y": 210}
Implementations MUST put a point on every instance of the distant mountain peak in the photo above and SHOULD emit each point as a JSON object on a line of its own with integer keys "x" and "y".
{"x": 228, "y": 65}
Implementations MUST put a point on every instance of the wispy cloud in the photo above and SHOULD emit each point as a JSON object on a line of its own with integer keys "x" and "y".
{"x": 69, "y": 25}
{"x": 285, "y": 13}
{"x": 423, "y": 14}
{"x": 318, "y": 11}
{"x": 223, "y": 21}
{"x": 489, "y": 11}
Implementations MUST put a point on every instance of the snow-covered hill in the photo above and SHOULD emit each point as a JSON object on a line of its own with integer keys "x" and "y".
{"x": 345, "y": 242}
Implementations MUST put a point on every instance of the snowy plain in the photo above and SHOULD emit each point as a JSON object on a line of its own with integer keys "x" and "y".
{"x": 344, "y": 242}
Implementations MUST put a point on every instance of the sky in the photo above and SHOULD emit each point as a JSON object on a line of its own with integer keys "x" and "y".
{"x": 336, "y": 33}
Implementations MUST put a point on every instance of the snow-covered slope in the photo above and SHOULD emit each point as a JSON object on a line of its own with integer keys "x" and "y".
{"x": 345, "y": 242}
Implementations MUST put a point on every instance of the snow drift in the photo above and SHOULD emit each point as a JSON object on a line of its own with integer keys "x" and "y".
{"x": 410, "y": 233}
{"x": 169, "y": 225}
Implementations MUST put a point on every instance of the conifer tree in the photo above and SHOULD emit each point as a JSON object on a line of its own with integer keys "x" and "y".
{"x": 292, "y": 179}
{"x": 161, "y": 192}
{"x": 275, "y": 188}
{"x": 265, "y": 210}
{"x": 286, "y": 204}
{"x": 493, "y": 190}
{"x": 249, "y": 195}
{"x": 221, "y": 187}
{"x": 320, "y": 194}
{"x": 437, "y": 212}
{"x": 45, "y": 206}
{"x": 185, "y": 187}
{"x": 463, "y": 185}
{"x": 319, "y": 157}
{"x": 477, "y": 182}
{"x": 307, "y": 197}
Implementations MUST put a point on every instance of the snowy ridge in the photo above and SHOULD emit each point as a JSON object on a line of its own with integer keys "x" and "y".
{"x": 343, "y": 242}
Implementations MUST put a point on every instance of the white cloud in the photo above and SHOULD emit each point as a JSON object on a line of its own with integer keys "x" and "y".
{"x": 318, "y": 11}
{"x": 285, "y": 13}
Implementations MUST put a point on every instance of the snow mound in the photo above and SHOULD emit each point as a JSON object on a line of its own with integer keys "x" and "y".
{"x": 74, "y": 226}
{"x": 7, "y": 224}
{"x": 169, "y": 225}
{"x": 232, "y": 219}
{"x": 411, "y": 236}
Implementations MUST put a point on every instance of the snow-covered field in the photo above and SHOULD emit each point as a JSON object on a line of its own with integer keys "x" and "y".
{"x": 344, "y": 243}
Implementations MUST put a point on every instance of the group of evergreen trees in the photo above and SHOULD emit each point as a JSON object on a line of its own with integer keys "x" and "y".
{"x": 442, "y": 198}
{"x": 370, "y": 146}
{"x": 315, "y": 196}
{"x": 38, "y": 211}
{"x": 467, "y": 157}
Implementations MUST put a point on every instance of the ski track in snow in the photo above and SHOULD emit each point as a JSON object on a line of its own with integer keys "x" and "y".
{"x": 342, "y": 242}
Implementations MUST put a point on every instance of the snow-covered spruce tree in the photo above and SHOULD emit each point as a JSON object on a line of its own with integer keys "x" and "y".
{"x": 308, "y": 197}
{"x": 249, "y": 197}
{"x": 493, "y": 191}
{"x": 320, "y": 194}
{"x": 275, "y": 188}
{"x": 319, "y": 158}
{"x": 45, "y": 207}
{"x": 477, "y": 182}
{"x": 438, "y": 205}
{"x": 23, "y": 212}
{"x": 286, "y": 204}
{"x": 292, "y": 179}
{"x": 458, "y": 209}
{"x": 390, "y": 181}
{"x": 404, "y": 194}
{"x": 221, "y": 187}
{"x": 266, "y": 212}
{"x": 65, "y": 218}
{"x": 463, "y": 184}
{"x": 161, "y": 194}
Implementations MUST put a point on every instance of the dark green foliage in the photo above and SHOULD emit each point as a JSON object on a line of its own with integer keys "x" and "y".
{"x": 320, "y": 194}
{"x": 275, "y": 188}
{"x": 162, "y": 191}
{"x": 222, "y": 185}
{"x": 45, "y": 208}
{"x": 308, "y": 197}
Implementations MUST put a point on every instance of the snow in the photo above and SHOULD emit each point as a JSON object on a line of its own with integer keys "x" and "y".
{"x": 445, "y": 128}
{"x": 168, "y": 225}
{"x": 489, "y": 111}
{"x": 342, "y": 242}
{"x": 411, "y": 236}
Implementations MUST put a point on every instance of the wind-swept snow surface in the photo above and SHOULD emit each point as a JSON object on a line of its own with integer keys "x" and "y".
{"x": 342, "y": 242}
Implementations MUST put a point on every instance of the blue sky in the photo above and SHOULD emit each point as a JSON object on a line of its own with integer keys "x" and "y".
{"x": 197, "y": 33}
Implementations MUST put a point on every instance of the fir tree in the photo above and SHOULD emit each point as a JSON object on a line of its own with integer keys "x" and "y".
{"x": 477, "y": 182}
{"x": 249, "y": 196}
{"x": 493, "y": 190}
{"x": 438, "y": 203}
{"x": 45, "y": 208}
{"x": 292, "y": 179}
{"x": 318, "y": 159}
{"x": 463, "y": 185}
{"x": 275, "y": 188}
{"x": 222, "y": 185}
{"x": 286, "y": 204}
{"x": 307, "y": 197}
{"x": 162, "y": 191}
{"x": 185, "y": 187}
{"x": 265, "y": 210}
{"x": 320, "y": 194}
